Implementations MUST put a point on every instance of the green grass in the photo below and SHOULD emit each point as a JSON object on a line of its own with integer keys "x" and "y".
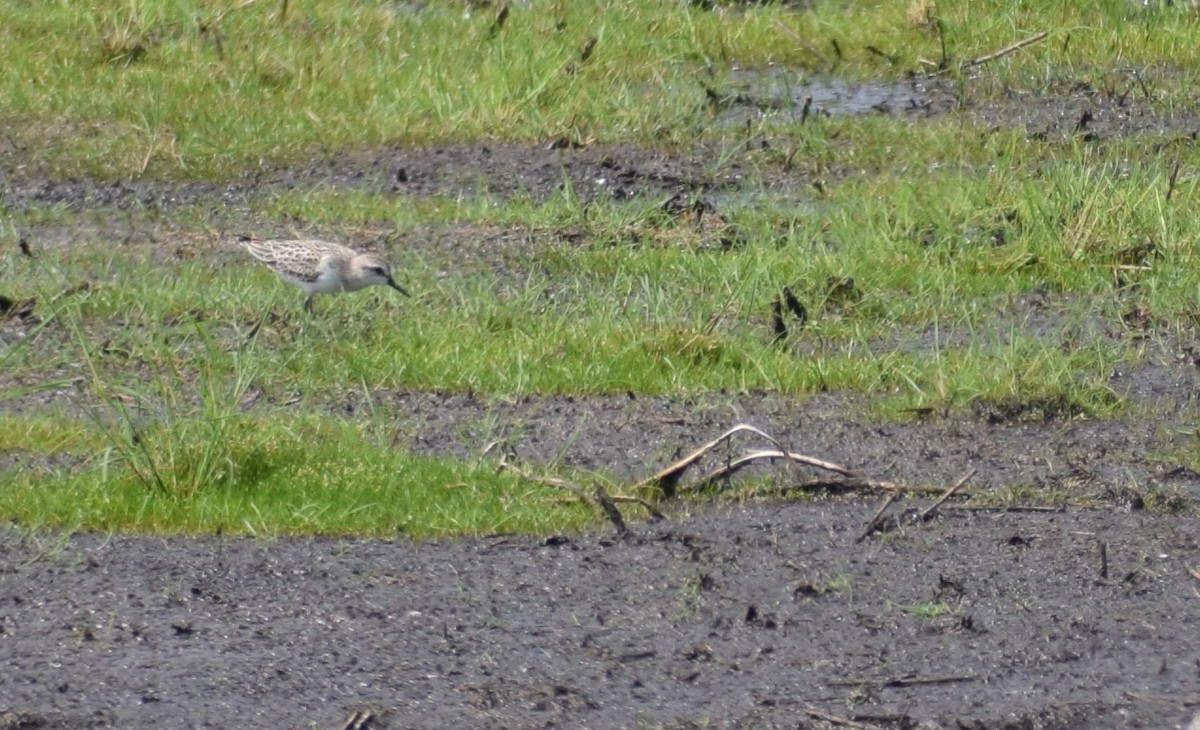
{"x": 202, "y": 89}
{"x": 928, "y": 611}
{"x": 943, "y": 226}
{"x": 175, "y": 451}
{"x": 614, "y": 316}
{"x": 644, "y": 305}
{"x": 273, "y": 475}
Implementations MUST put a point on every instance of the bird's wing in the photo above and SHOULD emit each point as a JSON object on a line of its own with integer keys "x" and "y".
{"x": 294, "y": 254}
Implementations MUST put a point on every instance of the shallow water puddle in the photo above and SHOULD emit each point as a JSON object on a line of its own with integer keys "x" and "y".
{"x": 787, "y": 93}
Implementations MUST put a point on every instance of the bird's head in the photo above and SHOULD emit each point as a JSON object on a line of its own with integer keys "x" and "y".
{"x": 371, "y": 270}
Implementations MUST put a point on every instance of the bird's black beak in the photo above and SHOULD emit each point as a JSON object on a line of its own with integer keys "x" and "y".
{"x": 392, "y": 283}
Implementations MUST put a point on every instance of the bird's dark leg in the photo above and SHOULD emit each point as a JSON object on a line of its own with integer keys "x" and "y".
{"x": 308, "y": 307}
{"x": 254, "y": 330}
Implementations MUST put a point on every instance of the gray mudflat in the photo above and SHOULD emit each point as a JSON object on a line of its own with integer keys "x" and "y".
{"x": 754, "y": 616}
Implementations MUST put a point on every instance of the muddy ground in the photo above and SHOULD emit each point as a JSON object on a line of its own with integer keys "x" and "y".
{"x": 764, "y": 614}
{"x": 755, "y": 616}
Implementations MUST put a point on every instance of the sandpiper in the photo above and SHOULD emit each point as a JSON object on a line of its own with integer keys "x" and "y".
{"x": 321, "y": 267}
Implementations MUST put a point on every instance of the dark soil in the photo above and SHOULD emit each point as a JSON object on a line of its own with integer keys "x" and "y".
{"x": 749, "y": 616}
{"x": 766, "y": 614}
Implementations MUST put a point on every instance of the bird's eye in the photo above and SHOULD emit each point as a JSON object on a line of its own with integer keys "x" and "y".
{"x": 379, "y": 270}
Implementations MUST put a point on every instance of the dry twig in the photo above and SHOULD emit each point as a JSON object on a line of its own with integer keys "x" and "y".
{"x": 738, "y": 464}
{"x": 1171, "y": 180}
{"x": 899, "y": 681}
{"x": 208, "y": 25}
{"x": 599, "y": 499}
{"x": 874, "y": 522}
{"x": 1002, "y": 508}
{"x": 631, "y": 499}
{"x": 610, "y": 510}
{"x": 803, "y": 43}
{"x": 668, "y": 478}
{"x": 359, "y": 720}
{"x": 979, "y": 61}
{"x": 836, "y": 720}
{"x": 928, "y": 511}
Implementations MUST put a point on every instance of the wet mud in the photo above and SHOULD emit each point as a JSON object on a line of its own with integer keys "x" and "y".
{"x": 754, "y": 616}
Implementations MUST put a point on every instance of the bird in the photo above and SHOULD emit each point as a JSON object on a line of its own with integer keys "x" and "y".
{"x": 321, "y": 267}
